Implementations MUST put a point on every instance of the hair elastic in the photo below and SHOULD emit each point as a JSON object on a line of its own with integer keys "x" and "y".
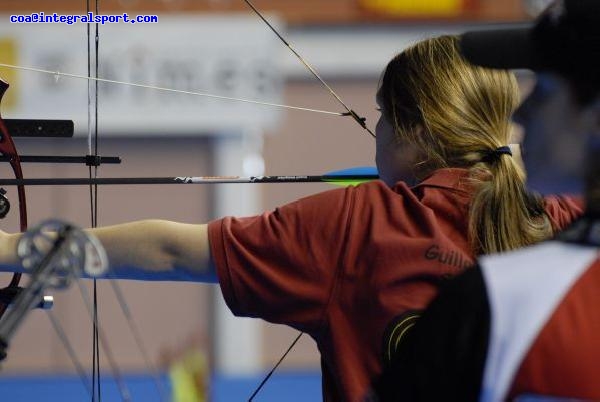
{"x": 494, "y": 155}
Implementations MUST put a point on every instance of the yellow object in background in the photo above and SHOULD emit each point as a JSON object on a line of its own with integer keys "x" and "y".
{"x": 8, "y": 55}
{"x": 416, "y": 8}
{"x": 189, "y": 377}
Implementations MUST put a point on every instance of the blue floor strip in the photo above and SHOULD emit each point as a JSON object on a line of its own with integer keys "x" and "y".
{"x": 284, "y": 386}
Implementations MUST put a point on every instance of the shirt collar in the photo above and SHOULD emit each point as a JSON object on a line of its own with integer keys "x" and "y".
{"x": 451, "y": 178}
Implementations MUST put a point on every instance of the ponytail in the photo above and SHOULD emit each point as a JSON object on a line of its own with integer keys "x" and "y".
{"x": 503, "y": 214}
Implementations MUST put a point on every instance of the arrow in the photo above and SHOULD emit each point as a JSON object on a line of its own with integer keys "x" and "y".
{"x": 351, "y": 176}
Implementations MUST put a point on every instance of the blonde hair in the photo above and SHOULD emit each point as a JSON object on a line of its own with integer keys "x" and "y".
{"x": 464, "y": 112}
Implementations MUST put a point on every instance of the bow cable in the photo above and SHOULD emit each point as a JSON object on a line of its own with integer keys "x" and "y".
{"x": 163, "y": 89}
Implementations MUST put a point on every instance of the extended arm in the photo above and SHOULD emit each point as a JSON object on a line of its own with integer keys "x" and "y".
{"x": 145, "y": 250}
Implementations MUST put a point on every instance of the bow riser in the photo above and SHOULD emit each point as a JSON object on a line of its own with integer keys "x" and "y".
{"x": 8, "y": 149}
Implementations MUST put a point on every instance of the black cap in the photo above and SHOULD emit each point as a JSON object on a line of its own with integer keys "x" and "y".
{"x": 564, "y": 39}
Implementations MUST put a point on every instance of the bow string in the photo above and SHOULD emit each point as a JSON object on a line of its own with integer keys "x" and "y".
{"x": 99, "y": 338}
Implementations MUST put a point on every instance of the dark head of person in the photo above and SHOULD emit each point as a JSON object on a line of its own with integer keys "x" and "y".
{"x": 564, "y": 40}
{"x": 562, "y": 115}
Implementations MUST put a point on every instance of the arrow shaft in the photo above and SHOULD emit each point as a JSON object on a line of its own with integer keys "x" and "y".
{"x": 183, "y": 180}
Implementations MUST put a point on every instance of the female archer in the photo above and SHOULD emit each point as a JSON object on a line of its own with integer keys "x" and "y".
{"x": 350, "y": 266}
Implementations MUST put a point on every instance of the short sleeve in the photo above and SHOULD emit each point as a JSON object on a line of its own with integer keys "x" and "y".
{"x": 282, "y": 265}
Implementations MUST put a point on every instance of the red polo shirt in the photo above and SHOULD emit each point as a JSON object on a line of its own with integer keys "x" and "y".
{"x": 343, "y": 265}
